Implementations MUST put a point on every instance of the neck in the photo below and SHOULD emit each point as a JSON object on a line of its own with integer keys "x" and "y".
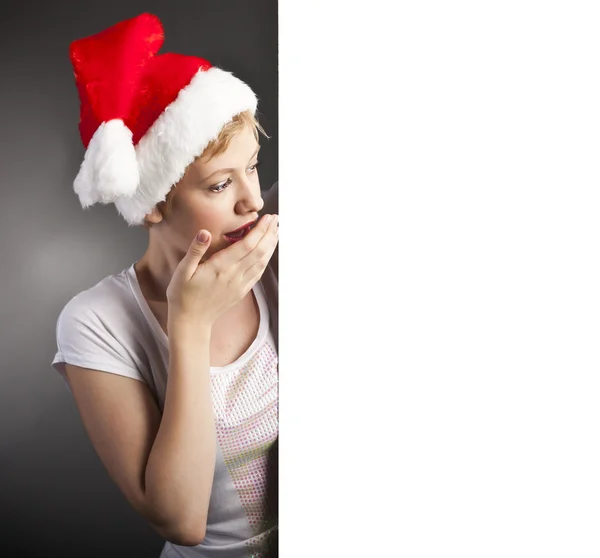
{"x": 155, "y": 269}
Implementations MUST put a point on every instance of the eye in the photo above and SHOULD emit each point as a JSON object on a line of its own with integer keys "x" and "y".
{"x": 254, "y": 166}
{"x": 221, "y": 186}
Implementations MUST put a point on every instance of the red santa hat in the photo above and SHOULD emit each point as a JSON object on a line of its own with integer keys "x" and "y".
{"x": 145, "y": 117}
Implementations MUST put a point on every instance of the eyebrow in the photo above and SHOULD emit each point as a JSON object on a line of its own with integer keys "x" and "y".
{"x": 227, "y": 170}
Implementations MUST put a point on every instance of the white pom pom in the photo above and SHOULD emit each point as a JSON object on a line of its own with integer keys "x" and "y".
{"x": 110, "y": 169}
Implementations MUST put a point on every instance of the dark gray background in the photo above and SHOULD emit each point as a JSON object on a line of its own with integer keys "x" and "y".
{"x": 56, "y": 498}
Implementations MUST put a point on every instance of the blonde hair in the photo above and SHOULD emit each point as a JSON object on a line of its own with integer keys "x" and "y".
{"x": 216, "y": 147}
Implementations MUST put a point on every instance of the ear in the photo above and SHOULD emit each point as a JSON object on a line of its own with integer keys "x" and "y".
{"x": 154, "y": 217}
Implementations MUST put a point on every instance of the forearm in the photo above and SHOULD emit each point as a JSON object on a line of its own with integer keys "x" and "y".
{"x": 180, "y": 468}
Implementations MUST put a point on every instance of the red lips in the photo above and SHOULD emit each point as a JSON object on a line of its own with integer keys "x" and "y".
{"x": 240, "y": 233}
{"x": 247, "y": 225}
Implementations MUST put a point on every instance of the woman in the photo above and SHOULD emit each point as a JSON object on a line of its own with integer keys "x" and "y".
{"x": 173, "y": 361}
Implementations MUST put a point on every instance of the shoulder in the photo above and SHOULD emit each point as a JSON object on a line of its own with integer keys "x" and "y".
{"x": 99, "y": 328}
{"x": 105, "y": 315}
{"x": 271, "y": 199}
{"x": 109, "y": 297}
{"x": 270, "y": 282}
{"x": 271, "y": 206}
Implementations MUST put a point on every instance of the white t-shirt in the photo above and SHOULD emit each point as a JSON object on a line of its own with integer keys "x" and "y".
{"x": 111, "y": 328}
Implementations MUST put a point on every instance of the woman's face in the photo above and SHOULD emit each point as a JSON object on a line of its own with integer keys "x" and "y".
{"x": 219, "y": 195}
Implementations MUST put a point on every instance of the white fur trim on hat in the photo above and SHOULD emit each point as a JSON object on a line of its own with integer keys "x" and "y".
{"x": 181, "y": 133}
{"x": 109, "y": 169}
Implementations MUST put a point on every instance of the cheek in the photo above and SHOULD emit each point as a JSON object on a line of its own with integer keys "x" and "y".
{"x": 210, "y": 218}
{"x": 195, "y": 212}
{"x": 195, "y": 209}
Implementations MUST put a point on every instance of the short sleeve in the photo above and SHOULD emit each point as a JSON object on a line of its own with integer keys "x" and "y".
{"x": 86, "y": 339}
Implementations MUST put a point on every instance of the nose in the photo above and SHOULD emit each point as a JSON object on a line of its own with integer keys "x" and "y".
{"x": 250, "y": 198}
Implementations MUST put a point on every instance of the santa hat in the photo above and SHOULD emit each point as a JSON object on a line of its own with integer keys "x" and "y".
{"x": 145, "y": 117}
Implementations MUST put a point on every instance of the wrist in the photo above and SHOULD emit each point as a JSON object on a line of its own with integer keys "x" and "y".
{"x": 188, "y": 331}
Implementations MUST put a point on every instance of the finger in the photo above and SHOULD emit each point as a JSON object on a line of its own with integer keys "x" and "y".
{"x": 196, "y": 251}
{"x": 254, "y": 273}
{"x": 241, "y": 248}
{"x": 256, "y": 261}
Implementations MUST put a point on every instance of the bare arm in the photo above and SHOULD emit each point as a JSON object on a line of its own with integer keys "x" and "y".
{"x": 181, "y": 465}
{"x": 165, "y": 466}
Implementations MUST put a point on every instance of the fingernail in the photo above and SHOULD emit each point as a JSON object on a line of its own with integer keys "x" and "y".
{"x": 202, "y": 237}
